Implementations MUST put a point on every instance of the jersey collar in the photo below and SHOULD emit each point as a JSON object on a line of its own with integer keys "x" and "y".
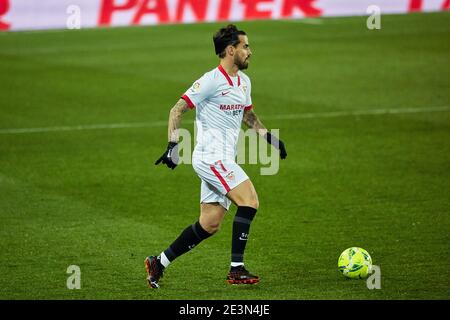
{"x": 221, "y": 69}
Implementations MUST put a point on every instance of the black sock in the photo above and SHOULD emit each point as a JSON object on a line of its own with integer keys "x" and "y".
{"x": 187, "y": 240}
{"x": 241, "y": 228}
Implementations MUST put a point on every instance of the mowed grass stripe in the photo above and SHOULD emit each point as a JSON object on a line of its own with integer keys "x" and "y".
{"x": 277, "y": 117}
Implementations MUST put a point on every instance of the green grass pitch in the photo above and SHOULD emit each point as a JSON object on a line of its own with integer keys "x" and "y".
{"x": 94, "y": 198}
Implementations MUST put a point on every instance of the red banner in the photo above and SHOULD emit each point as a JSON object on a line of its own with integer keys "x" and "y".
{"x": 52, "y": 14}
{"x": 4, "y": 8}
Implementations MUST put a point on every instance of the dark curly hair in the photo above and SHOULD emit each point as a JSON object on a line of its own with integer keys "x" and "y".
{"x": 226, "y": 36}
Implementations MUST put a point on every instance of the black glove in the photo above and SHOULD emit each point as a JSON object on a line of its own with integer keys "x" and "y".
{"x": 170, "y": 157}
{"x": 277, "y": 144}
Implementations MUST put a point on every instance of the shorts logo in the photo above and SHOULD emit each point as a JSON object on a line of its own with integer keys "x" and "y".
{"x": 230, "y": 176}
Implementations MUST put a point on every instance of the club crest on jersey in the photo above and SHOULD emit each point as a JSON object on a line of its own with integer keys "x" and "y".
{"x": 196, "y": 87}
{"x": 244, "y": 88}
{"x": 230, "y": 176}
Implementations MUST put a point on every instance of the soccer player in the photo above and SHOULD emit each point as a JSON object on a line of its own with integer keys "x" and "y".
{"x": 222, "y": 100}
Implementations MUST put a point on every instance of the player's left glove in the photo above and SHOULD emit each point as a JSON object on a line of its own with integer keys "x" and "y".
{"x": 277, "y": 143}
{"x": 170, "y": 157}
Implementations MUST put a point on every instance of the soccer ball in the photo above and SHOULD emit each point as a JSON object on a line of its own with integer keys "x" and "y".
{"x": 355, "y": 263}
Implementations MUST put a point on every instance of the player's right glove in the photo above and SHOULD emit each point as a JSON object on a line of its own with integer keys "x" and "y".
{"x": 277, "y": 144}
{"x": 170, "y": 157}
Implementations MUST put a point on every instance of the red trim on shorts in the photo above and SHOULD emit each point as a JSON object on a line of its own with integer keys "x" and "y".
{"x": 223, "y": 168}
{"x": 222, "y": 181}
{"x": 188, "y": 101}
{"x": 221, "y": 165}
{"x": 250, "y": 107}
{"x": 221, "y": 69}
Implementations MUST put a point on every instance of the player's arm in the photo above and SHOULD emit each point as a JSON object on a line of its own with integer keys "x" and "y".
{"x": 252, "y": 121}
{"x": 176, "y": 113}
{"x": 175, "y": 116}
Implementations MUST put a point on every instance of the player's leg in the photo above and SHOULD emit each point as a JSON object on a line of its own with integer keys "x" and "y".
{"x": 230, "y": 183}
{"x": 189, "y": 238}
{"x": 245, "y": 197}
{"x": 211, "y": 217}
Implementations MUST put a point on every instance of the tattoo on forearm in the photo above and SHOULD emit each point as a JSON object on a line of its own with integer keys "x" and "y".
{"x": 252, "y": 121}
{"x": 175, "y": 119}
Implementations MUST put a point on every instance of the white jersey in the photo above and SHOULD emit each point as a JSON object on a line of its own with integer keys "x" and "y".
{"x": 220, "y": 101}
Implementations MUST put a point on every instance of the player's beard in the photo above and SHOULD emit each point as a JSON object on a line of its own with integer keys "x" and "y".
{"x": 241, "y": 64}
